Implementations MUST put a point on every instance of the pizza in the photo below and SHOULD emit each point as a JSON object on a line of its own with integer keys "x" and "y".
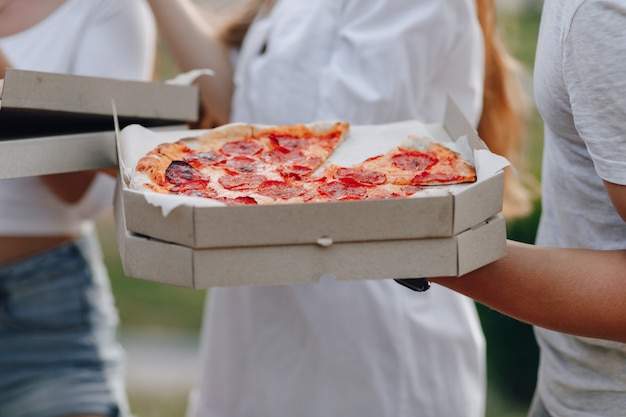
{"x": 243, "y": 164}
{"x": 421, "y": 162}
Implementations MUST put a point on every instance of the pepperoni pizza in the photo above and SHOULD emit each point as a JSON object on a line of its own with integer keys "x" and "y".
{"x": 245, "y": 164}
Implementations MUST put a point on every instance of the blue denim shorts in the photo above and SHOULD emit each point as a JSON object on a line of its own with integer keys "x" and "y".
{"x": 59, "y": 353}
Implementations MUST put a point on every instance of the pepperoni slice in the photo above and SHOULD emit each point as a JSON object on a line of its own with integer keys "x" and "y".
{"x": 295, "y": 172}
{"x": 409, "y": 190}
{"x": 294, "y": 164}
{"x": 242, "y": 164}
{"x": 185, "y": 187}
{"x": 279, "y": 190}
{"x": 201, "y": 159}
{"x": 413, "y": 160}
{"x": 242, "y": 147}
{"x": 305, "y": 163}
{"x": 356, "y": 176}
{"x": 241, "y": 182}
{"x": 430, "y": 177}
{"x": 240, "y": 201}
{"x": 181, "y": 172}
{"x": 289, "y": 143}
{"x": 206, "y": 192}
{"x": 282, "y": 155}
{"x": 338, "y": 190}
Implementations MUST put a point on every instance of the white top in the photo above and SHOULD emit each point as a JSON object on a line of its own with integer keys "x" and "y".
{"x": 108, "y": 38}
{"x": 580, "y": 88}
{"x": 365, "y": 348}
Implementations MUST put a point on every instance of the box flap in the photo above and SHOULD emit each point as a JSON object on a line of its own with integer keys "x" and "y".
{"x": 63, "y": 153}
{"x": 457, "y": 125}
{"x": 37, "y": 104}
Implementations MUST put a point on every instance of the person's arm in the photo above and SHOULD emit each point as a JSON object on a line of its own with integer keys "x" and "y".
{"x": 71, "y": 186}
{"x": 4, "y": 64}
{"x": 193, "y": 43}
{"x": 576, "y": 291}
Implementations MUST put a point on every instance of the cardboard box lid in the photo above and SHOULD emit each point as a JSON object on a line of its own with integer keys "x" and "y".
{"x": 52, "y": 123}
{"x": 36, "y": 104}
{"x": 63, "y": 153}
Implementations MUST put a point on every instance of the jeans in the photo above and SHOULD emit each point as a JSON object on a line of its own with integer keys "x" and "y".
{"x": 58, "y": 349}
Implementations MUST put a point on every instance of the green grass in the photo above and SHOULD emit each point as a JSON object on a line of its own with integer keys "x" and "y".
{"x": 162, "y": 405}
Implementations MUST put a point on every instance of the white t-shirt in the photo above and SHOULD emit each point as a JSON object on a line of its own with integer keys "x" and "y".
{"x": 580, "y": 88}
{"x": 366, "y": 348}
{"x": 107, "y": 38}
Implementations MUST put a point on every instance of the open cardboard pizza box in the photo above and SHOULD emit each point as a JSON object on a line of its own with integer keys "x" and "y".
{"x": 52, "y": 123}
{"x": 186, "y": 242}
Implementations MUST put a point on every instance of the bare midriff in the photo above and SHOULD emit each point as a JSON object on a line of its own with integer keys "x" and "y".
{"x": 16, "y": 248}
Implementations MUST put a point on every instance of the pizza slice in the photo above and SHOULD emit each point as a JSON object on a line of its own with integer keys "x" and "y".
{"x": 241, "y": 164}
{"x": 421, "y": 162}
{"x": 298, "y": 150}
{"x": 338, "y": 183}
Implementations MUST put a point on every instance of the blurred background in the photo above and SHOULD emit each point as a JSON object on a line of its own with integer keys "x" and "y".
{"x": 160, "y": 324}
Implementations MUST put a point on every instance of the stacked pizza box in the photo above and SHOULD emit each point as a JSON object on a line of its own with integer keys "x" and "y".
{"x": 51, "y": 123}
{"x": 185, "y": 242}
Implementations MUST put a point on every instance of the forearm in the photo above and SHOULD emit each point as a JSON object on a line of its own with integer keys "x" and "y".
{"x": 4, "y": 64}
{"x": 574, "y": 291}
{"x": 193, "y": 43}
{"x": 69, "y": 187}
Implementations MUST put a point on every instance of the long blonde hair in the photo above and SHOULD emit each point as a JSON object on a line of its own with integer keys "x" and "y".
{"x": 504, "y": 120}
{"x": 504, "y": 117}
